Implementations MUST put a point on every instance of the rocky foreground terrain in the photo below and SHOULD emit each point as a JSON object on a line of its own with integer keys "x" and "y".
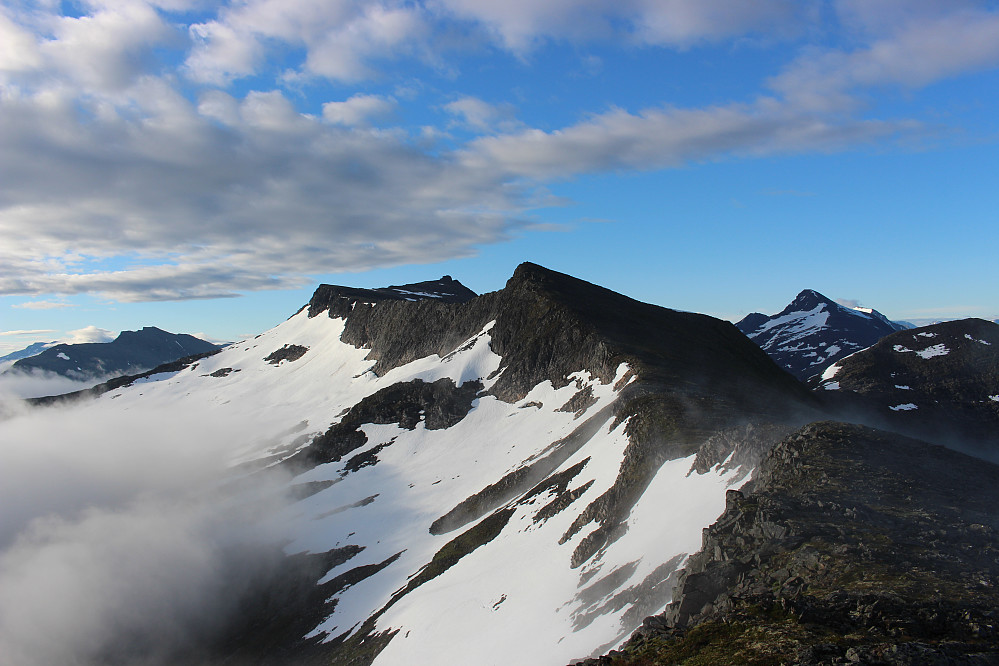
{"x": 851, "y": 545}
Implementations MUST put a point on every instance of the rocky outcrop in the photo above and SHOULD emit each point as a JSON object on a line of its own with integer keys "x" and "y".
{"x": 437, "y": 405}
{"x": 852, "y": 546}
{"x": 287, "y": 353}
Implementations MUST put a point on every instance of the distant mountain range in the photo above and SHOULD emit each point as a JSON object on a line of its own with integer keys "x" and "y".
{"x": 130, "y": 353}
{"x": 30, "y": 350}
{"x": 813, "y": 332}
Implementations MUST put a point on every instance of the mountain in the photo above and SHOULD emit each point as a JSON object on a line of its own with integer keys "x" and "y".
{"x": 130, "y": 352}
{"x": 536, "y": 462}
{"x": 30, "y": 350}
{"x": 938, "y": 382}
{"x": 535, "y": 476}
{"x": 813, "y": 332}
{"x": 850, "y": 546}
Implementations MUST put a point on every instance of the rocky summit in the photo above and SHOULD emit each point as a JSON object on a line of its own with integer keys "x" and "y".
{"x": 535, "y": 476}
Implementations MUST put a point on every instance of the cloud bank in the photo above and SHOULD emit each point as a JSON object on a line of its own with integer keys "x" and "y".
{"x": 117, "y": 544}
{"x": 161, "y": 150}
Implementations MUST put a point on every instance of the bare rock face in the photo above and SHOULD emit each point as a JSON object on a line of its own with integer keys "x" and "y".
{"x": 853, "y": 546}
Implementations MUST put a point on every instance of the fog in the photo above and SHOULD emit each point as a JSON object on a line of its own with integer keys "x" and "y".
{"x": 118, "y": 540}
{"x": 36, "y": 382}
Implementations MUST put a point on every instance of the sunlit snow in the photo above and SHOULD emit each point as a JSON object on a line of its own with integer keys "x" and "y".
{"x": 518, "y": 585}
{"x": 935, "y": 350}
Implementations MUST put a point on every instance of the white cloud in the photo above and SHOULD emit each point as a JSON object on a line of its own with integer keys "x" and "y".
{"x": 89, "y": 334}
{"x": 482, "y": 116}
{"x": 37, "y": 331}
{"x": 663, "y": 138}
{"x": 520, "y": 24}
{"x": 18, "y": 47}
{"x": 358, "y": 110}
{"x": 254, "y": 202}
{"x": 43, "y": 305}
{"x": 340, "y": 37}
{"x": 906, "y": 48}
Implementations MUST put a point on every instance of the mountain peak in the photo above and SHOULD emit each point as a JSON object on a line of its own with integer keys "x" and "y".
{"x": 813, "y": 332}
{"x": 807, "y": 299}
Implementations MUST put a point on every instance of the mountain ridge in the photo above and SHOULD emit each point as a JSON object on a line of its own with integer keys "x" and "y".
{"x": 131, "y": 352}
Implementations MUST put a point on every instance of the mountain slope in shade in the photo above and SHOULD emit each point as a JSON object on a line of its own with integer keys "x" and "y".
{"x": 813, "y": 332}
{"x": 535, "y": 462}
{"x": 131, "y": 352}
{"x": 851, "y": 545}
{"x": 939, "y": 382}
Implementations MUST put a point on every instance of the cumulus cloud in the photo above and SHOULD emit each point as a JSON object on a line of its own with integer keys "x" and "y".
{"x": 117, "y": 543}
{"x": 341, "y": 37}
{"x": 482, "y": 116}
{"x": 249, "y": 192}
{"x": 120, "y": 177}
{"x": 359, "y": 110}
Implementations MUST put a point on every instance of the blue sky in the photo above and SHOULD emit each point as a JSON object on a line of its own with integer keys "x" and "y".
{"x": 201, "y": 166}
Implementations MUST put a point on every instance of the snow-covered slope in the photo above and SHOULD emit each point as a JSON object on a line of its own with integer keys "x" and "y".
{"x": 513, "y": 479}
{"x": 813, "y": 332}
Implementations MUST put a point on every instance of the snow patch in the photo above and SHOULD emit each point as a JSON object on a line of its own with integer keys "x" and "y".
{"x": 904, "y": 407}
{"x": 904, "y": 388}
{"x": 984, "y": 342}
{"x": 831, "y": 371}
{"x": 935, "y": 350}
{"x": 831, "y": 386}
{"x": 62, "y": 356}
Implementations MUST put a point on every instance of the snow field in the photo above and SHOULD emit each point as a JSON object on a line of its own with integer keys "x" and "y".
{"x": 518, "y": 585}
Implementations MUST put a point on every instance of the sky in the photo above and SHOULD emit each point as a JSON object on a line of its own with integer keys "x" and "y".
{"x": 201, "y": 166}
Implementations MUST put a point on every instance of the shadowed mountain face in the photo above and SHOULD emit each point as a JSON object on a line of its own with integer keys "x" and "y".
{"x": 852, "y": 545}
{"x": 130, "y": 353}
{"x": 939, "y": 382}
{"x": 813, "y": 332}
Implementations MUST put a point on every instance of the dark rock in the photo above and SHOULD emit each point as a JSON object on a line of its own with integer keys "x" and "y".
{"x": 286, "y": 353}
{"x": 826, "y": 559}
